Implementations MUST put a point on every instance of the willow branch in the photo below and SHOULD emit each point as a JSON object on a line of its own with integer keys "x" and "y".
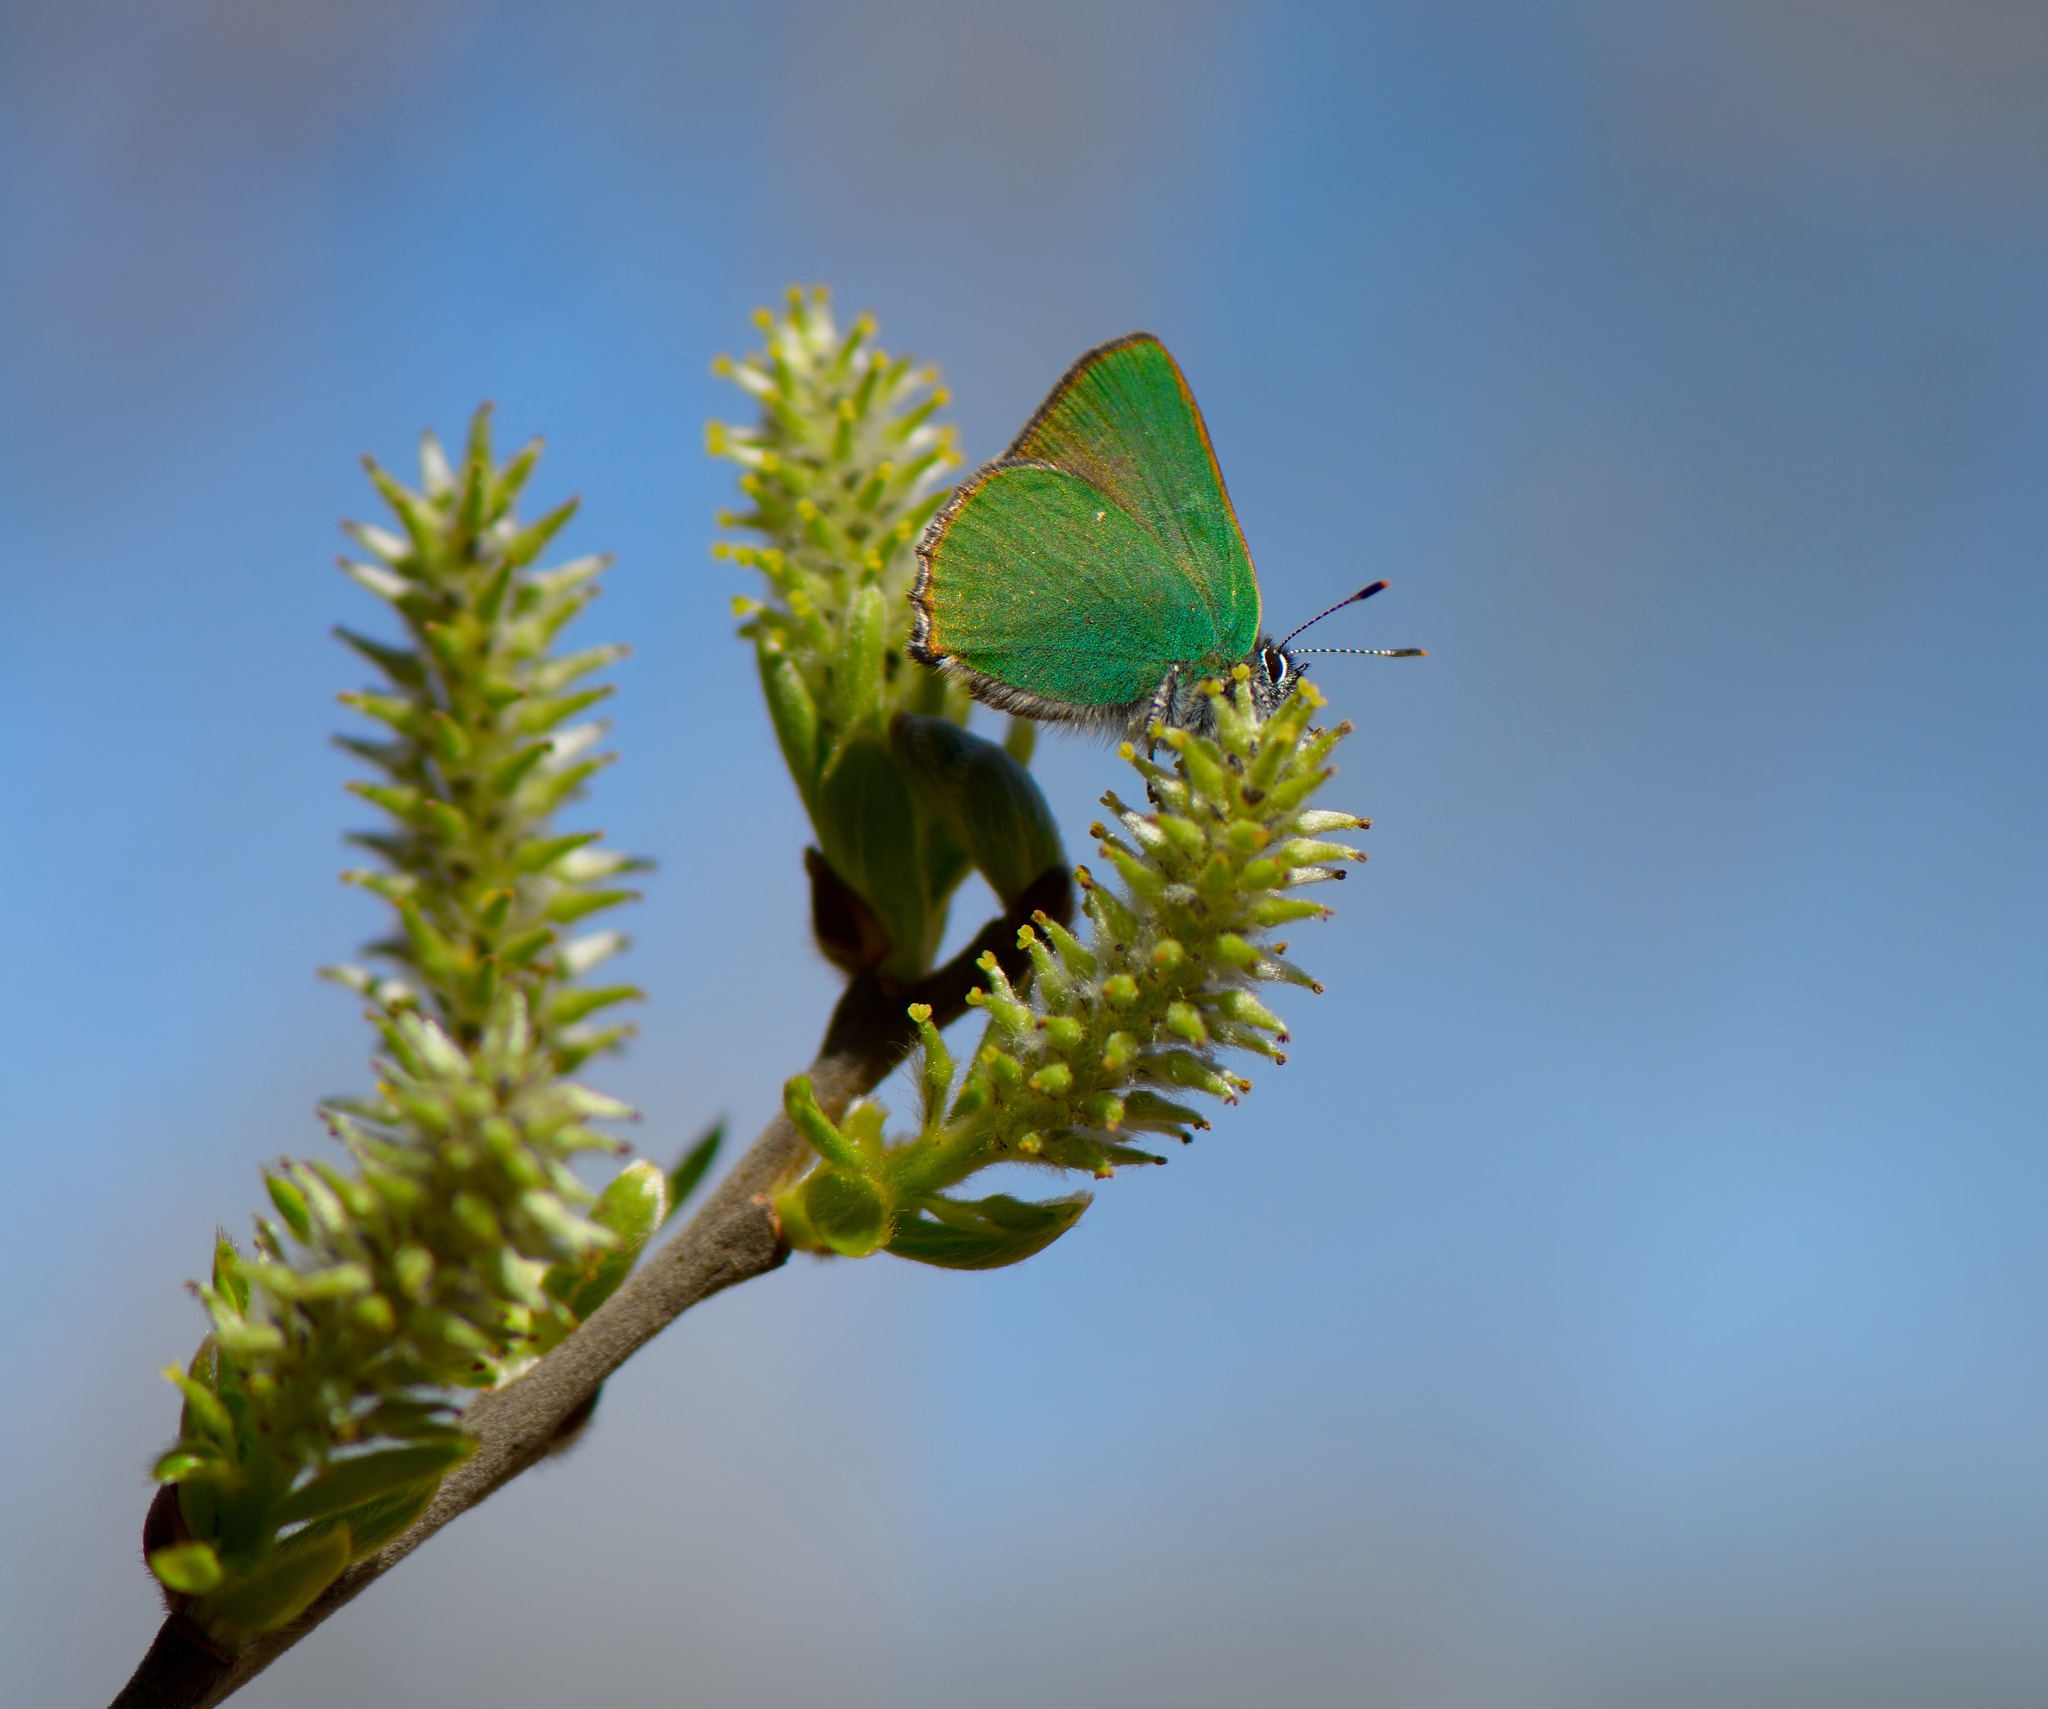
{"x": 732, "y": 1238}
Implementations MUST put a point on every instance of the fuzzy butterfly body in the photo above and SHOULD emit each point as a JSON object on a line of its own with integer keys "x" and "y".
{"x": 1094, "y": 573}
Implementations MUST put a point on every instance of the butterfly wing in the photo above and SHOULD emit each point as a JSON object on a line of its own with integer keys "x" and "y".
{"x": 1066, "y": 577}
{"x": 1029, "y": 588}
{"x": 1123, "y": 419}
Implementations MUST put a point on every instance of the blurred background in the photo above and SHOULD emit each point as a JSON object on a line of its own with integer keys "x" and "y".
{"x": 1633, "y": 1290}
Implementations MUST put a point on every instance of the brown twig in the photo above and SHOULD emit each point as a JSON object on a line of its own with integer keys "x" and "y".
{"x": 732, "y": 1238}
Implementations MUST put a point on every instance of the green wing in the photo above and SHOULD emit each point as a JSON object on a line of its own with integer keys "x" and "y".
{"x": 1043, "y": 585}
{"x": 1124, "y": 420}
{"x": 1068, "y": 575}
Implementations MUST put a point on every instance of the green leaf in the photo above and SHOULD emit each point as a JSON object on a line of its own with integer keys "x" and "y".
{"x": 857, "y": 676}
{"x": 375, "y": 1523}
{"x": 795, "y": 716}
{"x": 277, "y": 1590}
{"x": 633, "y": 1206}
{"x": 991, "y": 804}
{"x": 867, "y": 823}
{"x": 692, "y": 1166}
{"x": 982, "y": 1234}
{"x": 349, "y": 1483}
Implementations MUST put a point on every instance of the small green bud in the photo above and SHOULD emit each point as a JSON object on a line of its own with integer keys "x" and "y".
{"x": 474, "y": 1218}
{"x": 1064, "y": 1033}
{"x": 1145, "y": 881}
{"x": 1204, "y": 764}
{"x": 203, "y": 1408}
{"x": 1319, "y": 820}
{"x": 1184, "y": 835}
{"x": 1242, "y": 1006}
{"x": 454, "y": 1330}
{"x": 800, "y": 1104}
{"x": 1184, "y": 1068}
{"x": 190, "y": 1568}
{"x": 521, "y": 950}
{"x": 1306, "y": 851}
{"x": 1217, "y": 878}
{"x": 1279, "y": 910}
{"x": 1289, "y": 793}
{"x": 849, "y": 1214}
{"x": 862, "y": 1127}
{"x": 248, "y": 1340}
{"x": 413, "y": 1266}
{"x": 334, "y": 1282}
{"x": 1104, "y": 1109}
{"x": 183, "y": 1463}
{"x": 1078, "y": 959}
{"x": 1055, "y": 1080}
{"x": 291, "y": 1205}
{"x": 1147, "y": 1112}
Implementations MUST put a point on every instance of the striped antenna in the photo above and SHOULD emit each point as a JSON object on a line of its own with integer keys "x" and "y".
{"x": 1353, "y": 599}
{"x": 1362, "y": 652}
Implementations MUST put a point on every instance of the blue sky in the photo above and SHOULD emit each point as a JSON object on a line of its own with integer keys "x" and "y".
{"x": 1633, "y": 1288}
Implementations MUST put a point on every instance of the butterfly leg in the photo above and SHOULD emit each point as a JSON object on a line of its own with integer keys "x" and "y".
{"x": 1158, "y": 708}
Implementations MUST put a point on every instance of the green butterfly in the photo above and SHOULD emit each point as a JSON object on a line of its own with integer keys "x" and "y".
{"x": 1094, "y": 573}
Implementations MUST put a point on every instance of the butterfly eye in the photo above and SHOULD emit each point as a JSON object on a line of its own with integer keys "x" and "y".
{"x": 1276, "y": 665}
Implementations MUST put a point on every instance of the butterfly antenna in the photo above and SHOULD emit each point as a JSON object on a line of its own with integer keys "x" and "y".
{"x": 1362, "y": 593}
{"x": 1368, "y": 652}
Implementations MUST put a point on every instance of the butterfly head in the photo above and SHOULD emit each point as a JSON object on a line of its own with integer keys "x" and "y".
{"x": 1183, "y": 702}
{"x": 1271, "y": 671}
{"x": 1282, "y": 666}
{"x": 1274, "y": 674}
